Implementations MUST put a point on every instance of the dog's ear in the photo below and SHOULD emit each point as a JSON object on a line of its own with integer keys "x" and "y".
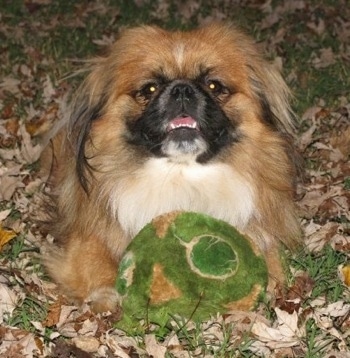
{"x": 274, "y": 97}
{"x": 87, "y": 107}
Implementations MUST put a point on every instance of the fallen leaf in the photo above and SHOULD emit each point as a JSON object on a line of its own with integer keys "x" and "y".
{"x": 10, "y": 84}
{"x": 344, "y": 273}
{"x": 4, "y": 214}
{"x": 326, "y": 58}
{"x": 286, "y": 334}
{"x": 86, "y": 343}
{"x": 8, "y": 301}
{"x": 317, "y": 240}
{"x": 17, "y": 343}
{"x": 118, "y": 342}
{"x": 290, "y": 299}
{"x": 64, "y": 349}
{"x": 12, "y": 126}
{"x": 318, "y": 28}
{"x": 30, "y": 152}
{"x": 54, "y": 314}
{"x": 8, "y": 186}
{"x": 154, "y": 348}
{"x": 6, "y": 236}
{"x": 306, "y": 138}
{"x": 325, "y": 319}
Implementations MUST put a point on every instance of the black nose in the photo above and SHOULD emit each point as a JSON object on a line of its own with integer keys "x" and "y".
{"x": 182, "y": 92}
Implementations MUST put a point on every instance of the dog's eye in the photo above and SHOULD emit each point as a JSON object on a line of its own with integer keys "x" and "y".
{"x": 146, "y": 92}
{"x": 216, "y": 87}
{"x": 149, "y": 89}
{"x": 218, "y": 90}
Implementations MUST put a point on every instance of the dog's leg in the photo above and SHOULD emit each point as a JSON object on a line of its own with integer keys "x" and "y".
{"x": 275, "y": 269}
{"x": 85, "y": 271}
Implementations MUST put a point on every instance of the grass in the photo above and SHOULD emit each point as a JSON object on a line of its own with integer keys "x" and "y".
{"x": 30, "y": 310}
{"x": 322, "y": 268}
{"x": 198, "y": 339}
{"x": 14, "y": 249}
{"x": 347, "y": 183}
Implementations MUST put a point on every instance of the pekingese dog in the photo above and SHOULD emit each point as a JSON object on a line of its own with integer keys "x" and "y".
{"x": 195, "y": 121}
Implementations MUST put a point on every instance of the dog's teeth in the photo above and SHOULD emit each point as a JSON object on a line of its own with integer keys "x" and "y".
{"x": 186, "y": 122}
{"x": 173, "y": 126}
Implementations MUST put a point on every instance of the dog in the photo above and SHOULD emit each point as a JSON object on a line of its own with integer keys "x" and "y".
{"x": 170, "y": 120}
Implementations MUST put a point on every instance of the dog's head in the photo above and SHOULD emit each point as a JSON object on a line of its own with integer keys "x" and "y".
{"x": 182, "y": 95}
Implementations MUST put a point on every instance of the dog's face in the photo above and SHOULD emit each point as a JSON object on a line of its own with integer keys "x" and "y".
{"x": 184, "y": 100}
{"x": 184, "y": 96}
{"x": 183, "y": 118}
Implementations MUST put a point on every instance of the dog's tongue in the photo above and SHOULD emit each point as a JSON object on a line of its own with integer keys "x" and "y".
{"x": 181, "y": 122}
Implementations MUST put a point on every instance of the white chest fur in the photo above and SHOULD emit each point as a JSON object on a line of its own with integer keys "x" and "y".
{"x": 161, "y": 186}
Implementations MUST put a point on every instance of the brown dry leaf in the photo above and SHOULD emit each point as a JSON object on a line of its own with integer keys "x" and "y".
{"x": 174, "y": 346}
{"x": 326, "y": 58}
{"x": 6, "y": 236}
{"x": 119, "y": 343}
{"x": 318, "y": 28}
{"x": 322, "y": 235}
{"x": 325, "y": 319}
{"x": 154, "y": 348}
{"x": 29, "y": 152}
{"x": 40, "y": 344}
{"x": 41, "y": 125}
{"x": 316, "y": 196}
{"x": 341, "y": 242}
{"x": 285, "y": 334}
{"x": 65, "y": 350}
{"x": 270, "y": 20}
{"x": 86, "y": 343}
{"x": 7, "y": 111}
{"x": 10, "y": 84}
{"x": 12, "y": 126}
{"x": 18, "y": 343}
{"x": 54, "y": 313}
{"x": 187, "y": 9}
{"x": 290, "y": 299}
{"x": 341, "y": 141}
{"x": 337, "y": 354}
{"x": 8, "y": 301}
{"x": 8, "y": 185}
{"x": 4, "y": 214}
{"x": 307, "y": 138}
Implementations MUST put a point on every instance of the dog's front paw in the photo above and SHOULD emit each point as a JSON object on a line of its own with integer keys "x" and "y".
{"x": 104, "y": 299}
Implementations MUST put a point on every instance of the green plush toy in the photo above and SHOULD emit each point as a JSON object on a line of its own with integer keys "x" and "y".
{"x": 191, "y": 265}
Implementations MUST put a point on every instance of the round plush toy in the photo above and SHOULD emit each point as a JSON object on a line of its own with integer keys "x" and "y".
{"x": 191, "y": 265}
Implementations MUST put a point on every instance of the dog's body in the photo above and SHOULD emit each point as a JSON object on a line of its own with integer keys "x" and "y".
{"x": 194, "y": 121}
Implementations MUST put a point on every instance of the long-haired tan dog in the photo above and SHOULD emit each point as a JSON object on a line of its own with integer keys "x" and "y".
{"x": 169, "y": 121}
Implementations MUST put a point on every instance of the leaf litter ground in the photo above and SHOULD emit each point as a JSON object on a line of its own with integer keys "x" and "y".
{"x": 42, "y": 43}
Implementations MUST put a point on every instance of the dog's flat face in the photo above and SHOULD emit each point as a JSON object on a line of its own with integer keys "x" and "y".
{"x": 182, "y": 95}
{"x": 182, "y": 119}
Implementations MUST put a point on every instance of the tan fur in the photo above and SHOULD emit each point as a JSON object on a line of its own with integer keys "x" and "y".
{"x": 250, "y": 185}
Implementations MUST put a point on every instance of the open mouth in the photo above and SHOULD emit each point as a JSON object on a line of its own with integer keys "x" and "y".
{"x": 183, "y": 138}
{"x": 185, "y": 122}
